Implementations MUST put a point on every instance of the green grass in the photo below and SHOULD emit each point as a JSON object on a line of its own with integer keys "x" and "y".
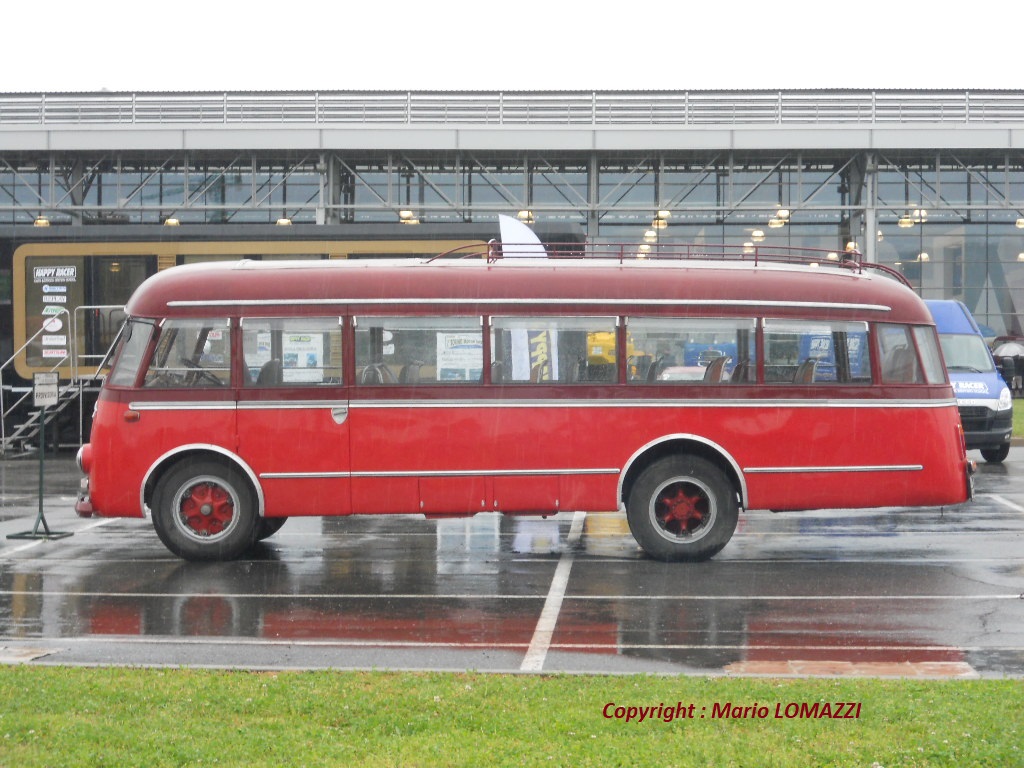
{"x": 135, "y": 717}
{"x": 1018, "y": 418}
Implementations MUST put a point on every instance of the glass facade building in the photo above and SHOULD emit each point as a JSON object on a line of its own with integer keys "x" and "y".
{"x": 930, "y": 183}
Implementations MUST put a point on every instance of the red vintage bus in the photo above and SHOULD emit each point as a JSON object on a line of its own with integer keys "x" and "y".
{"x": 681, "y": 388}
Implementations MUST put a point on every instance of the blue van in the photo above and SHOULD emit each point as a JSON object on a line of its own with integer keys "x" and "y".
{"x": 986, "y": 406}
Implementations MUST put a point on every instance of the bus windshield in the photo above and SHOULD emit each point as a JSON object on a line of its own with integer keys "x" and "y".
{"x": 132, "y": 344}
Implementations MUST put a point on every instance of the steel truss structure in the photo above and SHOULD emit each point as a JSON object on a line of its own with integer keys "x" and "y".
{"x": 931, "y": 182}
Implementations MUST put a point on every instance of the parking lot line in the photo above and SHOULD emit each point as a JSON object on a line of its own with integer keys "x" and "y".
{"x": 1005, "y": 502}
{"x": 5, "y": 551}
{"x": 545, "y": 629}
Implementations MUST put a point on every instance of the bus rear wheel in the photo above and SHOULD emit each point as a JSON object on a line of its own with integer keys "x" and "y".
{"x": 682, "y": 508}
{"x": 203, "y": 510}
{"x": 268, "y": 526}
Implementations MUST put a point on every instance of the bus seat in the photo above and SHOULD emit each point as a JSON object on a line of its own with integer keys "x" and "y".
{"x": 410, "y": 373}
{"x": 659, "y": 365}
{"x": 739, "y": 373}
{"x": 901, "y": 367}
{"x": 371, "y": 375}
{"x": 271, "y": 374}
{"x": 715, "y": 371}
{"x": 805, "y": 372}
{"x": 573, "y": 375}
{"x": 497, "y": 372}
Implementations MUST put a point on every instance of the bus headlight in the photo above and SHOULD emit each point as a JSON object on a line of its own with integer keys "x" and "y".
{"x": 84, "y": 458}
{"x": 1005, "y": 400}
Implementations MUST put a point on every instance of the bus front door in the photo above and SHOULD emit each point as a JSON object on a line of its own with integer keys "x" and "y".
{"x": 299, "y": 450}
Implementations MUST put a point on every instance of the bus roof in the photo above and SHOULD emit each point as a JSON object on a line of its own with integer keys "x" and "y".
{"x": 578, "y": 285}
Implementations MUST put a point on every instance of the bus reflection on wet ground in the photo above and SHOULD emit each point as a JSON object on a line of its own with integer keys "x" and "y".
{"x": 926, "y": 592}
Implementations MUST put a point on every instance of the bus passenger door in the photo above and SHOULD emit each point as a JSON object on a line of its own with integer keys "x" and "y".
{"x": 293, "y": 426}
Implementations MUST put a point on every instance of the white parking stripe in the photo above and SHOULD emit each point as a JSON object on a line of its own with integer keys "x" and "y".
{"x": 1005, "y": 502}
{"x": 37, "y": 542}
{"x": 545, "y": 629}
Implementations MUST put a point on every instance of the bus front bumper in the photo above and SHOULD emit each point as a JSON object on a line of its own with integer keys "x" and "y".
{"x": 83, "y": 507}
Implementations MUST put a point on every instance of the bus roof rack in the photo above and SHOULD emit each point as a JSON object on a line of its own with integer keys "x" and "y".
{"x": 626, "y": 253}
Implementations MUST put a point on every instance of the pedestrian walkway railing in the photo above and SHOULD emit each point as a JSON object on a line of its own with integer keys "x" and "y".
{"x": 759, "y": 107}
{"x": 82, "y": 370}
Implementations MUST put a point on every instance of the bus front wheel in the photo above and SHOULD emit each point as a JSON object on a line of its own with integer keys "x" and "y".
{"x": 203, "y": 510}
{"x": 682, "y": 508}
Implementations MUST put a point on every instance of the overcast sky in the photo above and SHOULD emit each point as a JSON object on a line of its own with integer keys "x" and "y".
{"x": 190, "y": 45}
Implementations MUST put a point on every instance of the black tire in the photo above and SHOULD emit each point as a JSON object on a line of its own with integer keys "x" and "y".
{"x": 996, "y": 455}
{"x": 268, "y": 526}
{"x": 203, "y": 510}
{"x": 682, "y": 508}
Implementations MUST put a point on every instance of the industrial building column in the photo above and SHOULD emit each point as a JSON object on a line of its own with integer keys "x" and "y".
{"x": 869, "y": 203}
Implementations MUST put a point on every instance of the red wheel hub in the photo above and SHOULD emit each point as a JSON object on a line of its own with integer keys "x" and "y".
{"x": 207, "y": 509}
{"x": 681, "y": 509}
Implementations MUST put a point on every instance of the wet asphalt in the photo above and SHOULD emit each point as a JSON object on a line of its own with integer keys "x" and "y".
{"x": 894, "y": 592}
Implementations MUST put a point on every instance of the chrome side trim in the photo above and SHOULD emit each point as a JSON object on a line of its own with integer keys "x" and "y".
{"x": 230, "y": 405}
{"x": 301, "y": 475}
{"x": 438, "y": 473}
{"x": 852, "y": 468}
{"x": 268, "y": 405}
{"x": 488, "y": 472}
{"x": 183, "y": 405}
{"x": 561, "y": 302}
{"x": 649, "y": 402}
{"x": 652, "y": 402}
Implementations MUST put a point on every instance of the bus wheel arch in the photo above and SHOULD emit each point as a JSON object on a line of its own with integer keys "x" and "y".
{"x": 681, "y": 445}
{"x": 682, "y": 499}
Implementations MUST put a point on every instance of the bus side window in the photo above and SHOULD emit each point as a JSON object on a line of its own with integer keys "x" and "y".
{"x": 807, "y": 352}
{"x": 691, "y": 350}
{"x": 292, "y": 351}
{"x": 553, "y": 350}
{"x": 898, "y": 355}
{"x": 411, "y": 351}
{"x": 191, "y": 353}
